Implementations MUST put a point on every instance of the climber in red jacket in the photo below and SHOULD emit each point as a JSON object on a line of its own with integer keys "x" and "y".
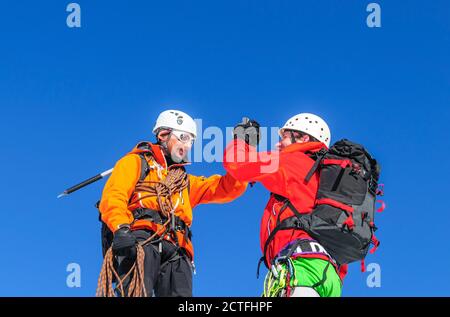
{"x": 307, "y": 269}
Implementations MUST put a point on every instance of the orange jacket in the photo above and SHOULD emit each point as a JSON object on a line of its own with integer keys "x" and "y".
{"x": 114, "y": 205}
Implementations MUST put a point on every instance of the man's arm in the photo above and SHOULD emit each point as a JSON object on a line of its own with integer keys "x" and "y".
{"x": 118, "y": 190}
{"x": 244, "y": 163}
{"x": 215, "y": 189}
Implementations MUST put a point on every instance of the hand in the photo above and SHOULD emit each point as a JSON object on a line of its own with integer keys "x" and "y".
{"x": 248, "y": 130}
{"x": 124, "y": 243}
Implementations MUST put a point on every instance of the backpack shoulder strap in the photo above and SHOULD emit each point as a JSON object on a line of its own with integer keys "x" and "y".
{"x": 318, "y": 157}
{"x": 145, "y": 168}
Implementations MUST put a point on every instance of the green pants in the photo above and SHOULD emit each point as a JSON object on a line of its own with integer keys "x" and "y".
{"x": 316, "y": 273}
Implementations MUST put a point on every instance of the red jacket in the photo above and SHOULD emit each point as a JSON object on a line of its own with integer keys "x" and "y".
{"x": 283, "y": 173}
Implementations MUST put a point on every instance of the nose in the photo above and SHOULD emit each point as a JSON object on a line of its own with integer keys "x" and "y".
{"x": 278, "y": 145}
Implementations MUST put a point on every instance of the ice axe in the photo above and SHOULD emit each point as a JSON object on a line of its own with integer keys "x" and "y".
{"x": 85, "y": 183}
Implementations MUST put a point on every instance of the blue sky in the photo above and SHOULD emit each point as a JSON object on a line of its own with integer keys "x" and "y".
{"x": 73, "y": 101}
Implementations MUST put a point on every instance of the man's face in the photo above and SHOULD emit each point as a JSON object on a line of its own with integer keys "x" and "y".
{"x": 178, "y": 143}
{"x": 286, "y": 139}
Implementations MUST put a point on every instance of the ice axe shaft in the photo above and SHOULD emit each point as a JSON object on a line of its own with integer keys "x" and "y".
{"x": 85, "y": 183}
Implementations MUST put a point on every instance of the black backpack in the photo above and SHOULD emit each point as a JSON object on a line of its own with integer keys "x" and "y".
{"x": 342, "y": 220}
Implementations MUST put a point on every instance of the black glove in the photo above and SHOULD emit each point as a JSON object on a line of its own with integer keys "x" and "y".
{"x": 248, "y": 130}
{"x": 124, "y": 243}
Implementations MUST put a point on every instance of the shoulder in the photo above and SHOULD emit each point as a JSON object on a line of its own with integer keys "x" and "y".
{"x": 130, "y": 159}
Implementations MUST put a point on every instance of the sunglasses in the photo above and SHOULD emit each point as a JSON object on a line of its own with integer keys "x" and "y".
{"x": 184, "y": 137}
{"x": 287, "y": 134}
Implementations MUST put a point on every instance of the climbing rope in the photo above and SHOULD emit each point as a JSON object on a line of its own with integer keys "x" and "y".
{"x": 175, "y": 182}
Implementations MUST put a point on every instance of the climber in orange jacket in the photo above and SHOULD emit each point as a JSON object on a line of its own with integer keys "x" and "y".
{"x": 140, "y": 199}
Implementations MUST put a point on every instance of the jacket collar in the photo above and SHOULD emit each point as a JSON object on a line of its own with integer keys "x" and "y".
{"x": 157, "y": 153}
{"x": 304, "y": 147}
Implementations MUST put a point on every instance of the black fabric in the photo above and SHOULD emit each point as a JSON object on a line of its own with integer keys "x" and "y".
{"x": 106, "y": 236}
{"x": 166, "y": 274}
{"x": 318, "y": 158}
{"x": 145, "y": 168}
{"x": 354, "y": 186}
{"x": 348, "y": 185}
{"x": 156, "y": 217}
{"x": 124, "y": 243}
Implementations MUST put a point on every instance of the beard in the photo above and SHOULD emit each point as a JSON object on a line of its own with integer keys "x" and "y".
{"x": 178, "y": 157}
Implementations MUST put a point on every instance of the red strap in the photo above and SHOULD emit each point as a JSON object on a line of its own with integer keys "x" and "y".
{"x": 342, "y": 163}
{"x": 349, "y": 222}
{"x": 363, "y": 265}
{"x": 334, "y": 203}
{"x": 288, "y": 288}
{"x": 383, "y": 206}
{"x": 376, "y": 244}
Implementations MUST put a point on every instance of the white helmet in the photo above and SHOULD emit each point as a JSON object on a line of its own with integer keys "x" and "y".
{"x": 177, "y": 120}
{"x": 311, "y": 124}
